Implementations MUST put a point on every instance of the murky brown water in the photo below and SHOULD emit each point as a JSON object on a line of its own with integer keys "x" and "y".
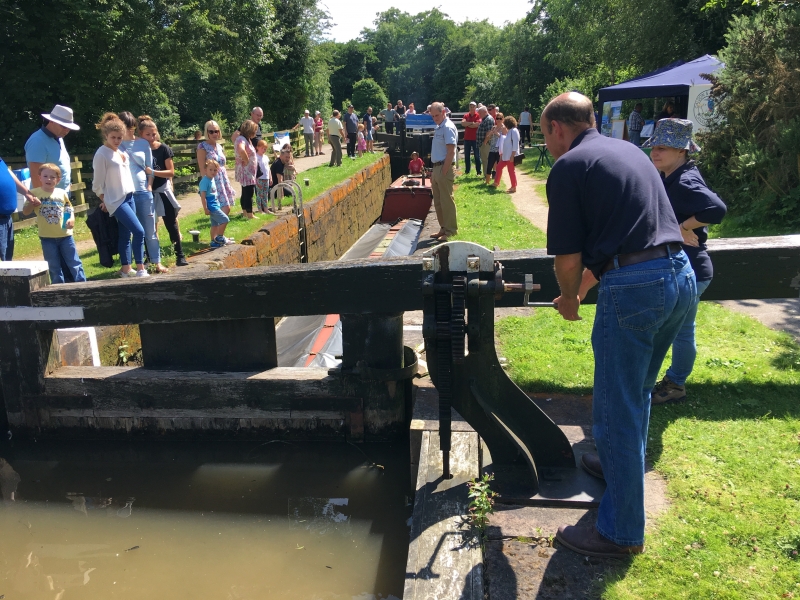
{"x": 203, "y": 520}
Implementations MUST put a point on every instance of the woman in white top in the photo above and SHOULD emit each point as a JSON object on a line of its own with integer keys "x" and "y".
{"x": 335, "y": 133}
{"x": 509, "y": 148}
{"x": 113, "y": 184}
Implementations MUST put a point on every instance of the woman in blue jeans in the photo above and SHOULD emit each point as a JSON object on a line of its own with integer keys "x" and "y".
{"x": 113, "y": 184}
{"x": 141, "y": 162}
{"x": 695, "y": 206}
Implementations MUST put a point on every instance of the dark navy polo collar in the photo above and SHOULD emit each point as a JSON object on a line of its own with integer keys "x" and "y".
{"x": 49, "y": 133}
{"x": 590, "y": 132}
{"x": 676, "y": 174}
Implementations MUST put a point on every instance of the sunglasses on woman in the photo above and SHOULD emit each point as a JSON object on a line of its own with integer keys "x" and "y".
{"x": 213, "y": 131}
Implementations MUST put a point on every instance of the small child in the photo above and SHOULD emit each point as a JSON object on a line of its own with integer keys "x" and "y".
{"x": 362, "y": 141}
{"x": 416, "y": 165}
{"x": 262, "y": 183}
{"x": 208, "y": 195}
{"x": 55, "y": 218}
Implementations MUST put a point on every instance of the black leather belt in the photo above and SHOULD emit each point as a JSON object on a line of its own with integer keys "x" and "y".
{"x": 438, "y": 164}
{"x": 634, "y": 258}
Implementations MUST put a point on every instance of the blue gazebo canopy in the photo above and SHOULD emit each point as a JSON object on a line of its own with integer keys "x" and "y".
{"x": 673, "y": 80}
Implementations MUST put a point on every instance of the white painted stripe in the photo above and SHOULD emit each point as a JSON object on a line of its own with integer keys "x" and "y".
{"x": 22, "y": 268}
{"x": 412, "y": 327}
{"x": 32, "y": 313}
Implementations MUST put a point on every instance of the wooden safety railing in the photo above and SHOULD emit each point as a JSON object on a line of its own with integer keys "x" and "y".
{"x": 185, "y": 150}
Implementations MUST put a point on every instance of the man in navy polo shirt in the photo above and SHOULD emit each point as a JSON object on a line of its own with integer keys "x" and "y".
{"x": 610, "y": 220}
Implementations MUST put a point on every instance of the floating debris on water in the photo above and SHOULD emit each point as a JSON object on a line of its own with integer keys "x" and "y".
{"x": 132, "y": 548}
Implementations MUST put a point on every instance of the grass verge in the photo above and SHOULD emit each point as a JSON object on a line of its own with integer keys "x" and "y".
{"x": 320, "y": 178}
{"x": 486, "y": 216}
{"x": 731, "y": 455}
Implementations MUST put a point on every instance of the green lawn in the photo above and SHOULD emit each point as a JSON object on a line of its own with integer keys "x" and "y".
{"x": 487, "y": 217}
{"x": 320, "y": 179}
{"x": 731, "y": 455}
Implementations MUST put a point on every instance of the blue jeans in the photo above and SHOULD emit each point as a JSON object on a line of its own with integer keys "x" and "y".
{"x": 635, "y": 137}
{"x": 471, "y": 147}
{"x": 146, "y": 213}
{"x": 58, "y": 251}
{"x": 640, "y": 309}
{"x": 129, "y": 226}
{"x": 684, "y": 349}
{"x": 6, "y": 237}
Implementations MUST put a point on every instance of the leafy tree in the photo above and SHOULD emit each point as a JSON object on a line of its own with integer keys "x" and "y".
{"x": 349, "y": 64}
{"x": 368, "y": 93}
{"x": 752, "y": 155}
{"x": 104, "y": 55}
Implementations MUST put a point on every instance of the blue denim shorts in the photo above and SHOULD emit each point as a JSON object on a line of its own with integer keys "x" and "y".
{"x": 218, "y": 217}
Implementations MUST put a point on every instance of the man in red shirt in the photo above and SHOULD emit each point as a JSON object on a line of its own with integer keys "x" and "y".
{"x": 471, "y": 122}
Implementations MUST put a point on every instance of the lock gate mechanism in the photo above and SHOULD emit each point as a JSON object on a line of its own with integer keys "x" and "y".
{"x": 461, "y": 281}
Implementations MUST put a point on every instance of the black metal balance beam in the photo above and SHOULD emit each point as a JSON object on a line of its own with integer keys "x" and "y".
{"x": 766, "y": 267}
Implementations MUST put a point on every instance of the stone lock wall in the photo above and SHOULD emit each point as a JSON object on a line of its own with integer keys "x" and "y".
{"x": 334, "y": 221}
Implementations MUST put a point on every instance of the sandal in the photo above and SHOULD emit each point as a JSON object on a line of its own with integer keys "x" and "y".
{"x": 511, "y": 191}
{"x": 161, "y": 269}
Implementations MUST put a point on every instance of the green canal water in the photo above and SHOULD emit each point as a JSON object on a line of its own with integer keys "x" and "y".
{"x": 211, "y": 520}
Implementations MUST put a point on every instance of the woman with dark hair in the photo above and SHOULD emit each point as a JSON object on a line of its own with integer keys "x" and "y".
{"x": 246, "y": 165}
{"x": 668, "y": 112}
{"x": 695, "y": 206}
{"x": 166, "y": 204}
{"x": 508, "y": 150}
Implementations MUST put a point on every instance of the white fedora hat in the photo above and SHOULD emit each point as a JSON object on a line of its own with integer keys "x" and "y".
{"x": 63, "y": 116}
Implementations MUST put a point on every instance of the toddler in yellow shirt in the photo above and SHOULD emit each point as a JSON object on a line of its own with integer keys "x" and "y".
{"x": 55, "y": 218}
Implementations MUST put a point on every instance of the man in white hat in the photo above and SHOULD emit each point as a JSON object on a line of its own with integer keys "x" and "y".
{"x": 47, "y": 146}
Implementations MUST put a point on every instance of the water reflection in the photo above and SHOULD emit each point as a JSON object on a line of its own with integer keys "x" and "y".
{"x": 211, "y": 521}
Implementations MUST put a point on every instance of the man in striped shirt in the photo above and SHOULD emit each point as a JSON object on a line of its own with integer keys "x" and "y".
{"x": 635, "y": 125}
{"x": 487, "y": 124}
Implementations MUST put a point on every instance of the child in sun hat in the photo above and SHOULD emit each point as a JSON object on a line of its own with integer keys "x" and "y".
{"x": 695, "y": 206}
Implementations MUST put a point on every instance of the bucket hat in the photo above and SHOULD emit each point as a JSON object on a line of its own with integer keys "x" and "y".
{"x": 673, "y": 133}
{"x": 63, "y": 116}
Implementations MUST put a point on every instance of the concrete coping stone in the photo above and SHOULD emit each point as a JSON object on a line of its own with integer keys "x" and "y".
{"x": 22, "y": 268}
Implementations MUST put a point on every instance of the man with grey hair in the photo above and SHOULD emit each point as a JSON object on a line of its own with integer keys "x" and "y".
{"x": 255, "y": 116}
{"x": 443, "y": 152}
{"x": 486, "y": 125}
{"x": 610, "y": 220}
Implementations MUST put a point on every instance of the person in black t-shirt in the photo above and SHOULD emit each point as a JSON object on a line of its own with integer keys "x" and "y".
{"x": 164, "y": 200}
{"x": 695, "y": 206}
{"x": 610, "y": 219}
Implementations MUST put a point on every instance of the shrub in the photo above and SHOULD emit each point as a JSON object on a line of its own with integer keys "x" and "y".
{"x": 752, "y": 154}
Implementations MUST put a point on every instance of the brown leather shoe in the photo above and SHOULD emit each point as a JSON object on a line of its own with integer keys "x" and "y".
{"x": 438, "y": 234}
{"x": 589, "y": 542}
{"x": 591, "y": 464}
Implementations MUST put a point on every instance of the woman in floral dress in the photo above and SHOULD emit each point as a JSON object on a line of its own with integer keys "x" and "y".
{"x": 212, "y": 149}
{"x": 246, "y": 165}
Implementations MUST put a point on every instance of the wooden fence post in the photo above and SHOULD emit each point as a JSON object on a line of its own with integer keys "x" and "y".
{"x": 78, "y": 185}
{"x": 26, "y": 352}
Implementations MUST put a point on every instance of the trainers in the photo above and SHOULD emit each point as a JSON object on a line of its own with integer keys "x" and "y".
{"x": 216, "y": 244}
{"x": 667, "y": 391}
{"x": 142, "y": 273}
{"x": 181, "y": 261}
